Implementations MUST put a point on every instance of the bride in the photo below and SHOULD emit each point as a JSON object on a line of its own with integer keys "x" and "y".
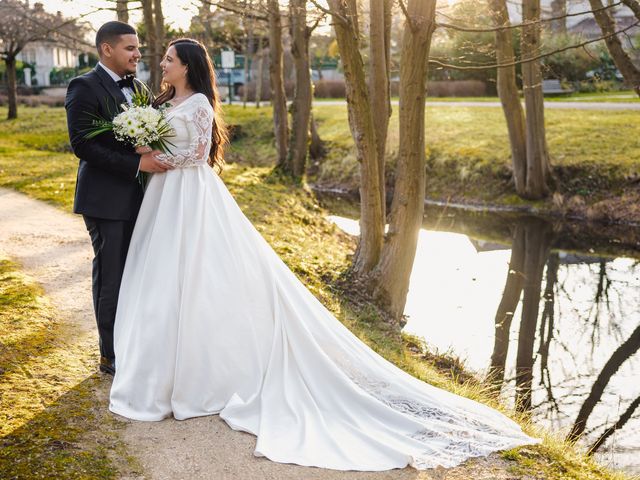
{"x": 211, "y": 321}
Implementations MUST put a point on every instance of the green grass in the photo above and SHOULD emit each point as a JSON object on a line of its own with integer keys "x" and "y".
{"x": 34, "y": 155}
{"x": 291, "y": 220}
{"x": 468, "y": 155}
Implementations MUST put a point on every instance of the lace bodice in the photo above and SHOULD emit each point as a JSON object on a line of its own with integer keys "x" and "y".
{"x": 192, "y": 122}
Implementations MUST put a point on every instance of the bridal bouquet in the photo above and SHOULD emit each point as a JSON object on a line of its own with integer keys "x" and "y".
{"x": 138, "y": 124}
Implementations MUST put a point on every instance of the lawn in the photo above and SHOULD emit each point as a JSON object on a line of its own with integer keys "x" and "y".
{"x": 622, "y": 96}
{"x": 594, "y": 153}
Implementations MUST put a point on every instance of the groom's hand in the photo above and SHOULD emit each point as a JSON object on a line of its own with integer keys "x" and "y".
{"x": 149, "y": 163}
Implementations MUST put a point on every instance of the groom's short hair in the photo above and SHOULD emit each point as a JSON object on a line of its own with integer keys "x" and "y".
{"x": 110, "y": 31}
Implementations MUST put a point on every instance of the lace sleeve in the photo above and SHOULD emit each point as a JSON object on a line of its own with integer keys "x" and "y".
{"x": 199, "y": 124}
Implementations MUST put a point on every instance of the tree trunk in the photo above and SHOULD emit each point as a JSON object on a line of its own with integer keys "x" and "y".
{"x": 509, "y": 97}
{"x": 12, "y": 87}
{"x": 316, "y": 148}
{"x": 394, "y": 271}
{"x": 363, "y": 132}
{"x": 276, "y": 73}
{"x": 301, "y": 107}
{"x": 559, "y": 9}
{"x": 508, "y": 305}
{"x": 159, "y": 24}
{"x": 379, "y": 64}
{"x": 122, "y": 10}
{"x": 260, "y": 75}
{"x": 538, "y": 167}
{"x": 152, "y": 44}
{"x": 248, "y": 61}
{"x": 622, "y": 60}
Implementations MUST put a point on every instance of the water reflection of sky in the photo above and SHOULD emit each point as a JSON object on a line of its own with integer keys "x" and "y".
{"x": 456, "y": 286}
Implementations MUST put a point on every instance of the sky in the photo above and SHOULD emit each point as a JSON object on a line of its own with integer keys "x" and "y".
{"x": 177, "y": 13}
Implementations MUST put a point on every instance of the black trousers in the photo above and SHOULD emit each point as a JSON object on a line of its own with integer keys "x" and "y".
{"x": 110, "y": 240}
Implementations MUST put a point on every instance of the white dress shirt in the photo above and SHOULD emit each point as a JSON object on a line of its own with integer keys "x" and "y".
{"x": 128, "y": 93}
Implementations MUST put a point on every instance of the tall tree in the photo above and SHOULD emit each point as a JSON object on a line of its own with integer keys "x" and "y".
{"x": 154, "y": 30}
{"x": 160, "y": 36}
{"x": 260, "y": 74}
{"x": 538, "y": 165}
{"x": 276, "y": 74}
{"x": 393, "y": 272}
{"x": 21, "y": 24}
{"x": 607, "y": 24}
{"x": 508, "y": 93}
{"x": 122, "y": 10}
{"x": 249, "y": 50}
{"x": 303, "y": 93}
{"x": 362, "y": 126}
{"x": 379, "y": 66}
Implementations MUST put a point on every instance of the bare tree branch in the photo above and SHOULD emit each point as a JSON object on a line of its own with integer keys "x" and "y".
{"x": 462, "y": 28}
{"x": 329, "y": 12}
{"x": 403, "y": 7}
{"x": 532, "y": 59}
{"x": 235, "y": 9}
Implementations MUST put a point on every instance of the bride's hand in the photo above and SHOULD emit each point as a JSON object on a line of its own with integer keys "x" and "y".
{"x": 143, "y": 149}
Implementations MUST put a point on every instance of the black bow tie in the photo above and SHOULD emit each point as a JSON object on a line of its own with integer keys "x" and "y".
{"x": 126, "y": 82}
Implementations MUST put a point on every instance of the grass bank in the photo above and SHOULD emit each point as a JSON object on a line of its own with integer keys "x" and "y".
{"x": 291, "y": 220}
{"x": 594, "y": 154}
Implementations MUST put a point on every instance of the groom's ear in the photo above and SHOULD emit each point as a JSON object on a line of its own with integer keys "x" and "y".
{"x": 106, "y": 49}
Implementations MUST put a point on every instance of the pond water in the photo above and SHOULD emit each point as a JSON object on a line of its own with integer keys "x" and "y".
{"x": 551, "y": 309}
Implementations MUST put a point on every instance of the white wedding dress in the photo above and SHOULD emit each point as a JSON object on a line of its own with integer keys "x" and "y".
{"x": 211, "y": 321}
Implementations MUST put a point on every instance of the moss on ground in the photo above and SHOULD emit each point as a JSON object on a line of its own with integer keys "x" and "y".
{"x": 50, "y": 423}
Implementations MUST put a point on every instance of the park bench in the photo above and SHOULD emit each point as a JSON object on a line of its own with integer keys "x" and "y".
{"x": 554, "y": 87}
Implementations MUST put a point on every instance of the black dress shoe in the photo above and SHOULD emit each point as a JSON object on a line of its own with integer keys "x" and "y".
{"x": 107, "y": 366}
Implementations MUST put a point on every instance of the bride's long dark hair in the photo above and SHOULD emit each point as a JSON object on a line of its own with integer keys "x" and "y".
{"x": 201, "y": 78}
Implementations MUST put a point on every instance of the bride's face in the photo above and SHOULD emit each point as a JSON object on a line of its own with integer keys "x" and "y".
{"x": 173, "y": 70}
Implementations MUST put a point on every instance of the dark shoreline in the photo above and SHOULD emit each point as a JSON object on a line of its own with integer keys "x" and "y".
{"x": 495, "y": 223}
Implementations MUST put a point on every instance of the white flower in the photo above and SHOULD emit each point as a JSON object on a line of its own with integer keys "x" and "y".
{"x": 140, "y": 125}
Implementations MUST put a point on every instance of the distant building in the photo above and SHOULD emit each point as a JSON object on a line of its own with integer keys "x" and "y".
{"x": 45, "y": 57}
{"x": 589, "y": 29}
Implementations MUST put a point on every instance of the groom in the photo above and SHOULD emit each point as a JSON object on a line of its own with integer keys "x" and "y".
{"x": 108, "y": 193}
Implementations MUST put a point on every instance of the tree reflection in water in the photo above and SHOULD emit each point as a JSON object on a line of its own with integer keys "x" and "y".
{"x": 532, "y": 247}
{"x": 565, "y": 333}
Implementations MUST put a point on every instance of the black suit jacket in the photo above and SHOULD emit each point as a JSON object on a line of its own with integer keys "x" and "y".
{"x": 107, "y": 186}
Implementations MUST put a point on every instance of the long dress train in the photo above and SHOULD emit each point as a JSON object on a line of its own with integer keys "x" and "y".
{"x": 211, "y": 321}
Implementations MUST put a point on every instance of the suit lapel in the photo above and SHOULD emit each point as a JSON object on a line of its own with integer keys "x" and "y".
{"x": 111, "y": 87}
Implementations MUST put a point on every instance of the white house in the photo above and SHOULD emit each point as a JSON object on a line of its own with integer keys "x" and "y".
{"x": 45, "y": 56}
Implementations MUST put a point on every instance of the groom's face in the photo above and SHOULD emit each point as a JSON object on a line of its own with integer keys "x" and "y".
{"x": 123, "y": 56}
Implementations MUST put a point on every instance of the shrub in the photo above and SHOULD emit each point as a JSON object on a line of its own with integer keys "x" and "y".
{"x": 266, "y": 90}
{"x": 330, "y": 89}
{"x": 35, "y": 100}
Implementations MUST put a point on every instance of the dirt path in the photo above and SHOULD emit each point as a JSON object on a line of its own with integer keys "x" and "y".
{"x": 54, "y": 248}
